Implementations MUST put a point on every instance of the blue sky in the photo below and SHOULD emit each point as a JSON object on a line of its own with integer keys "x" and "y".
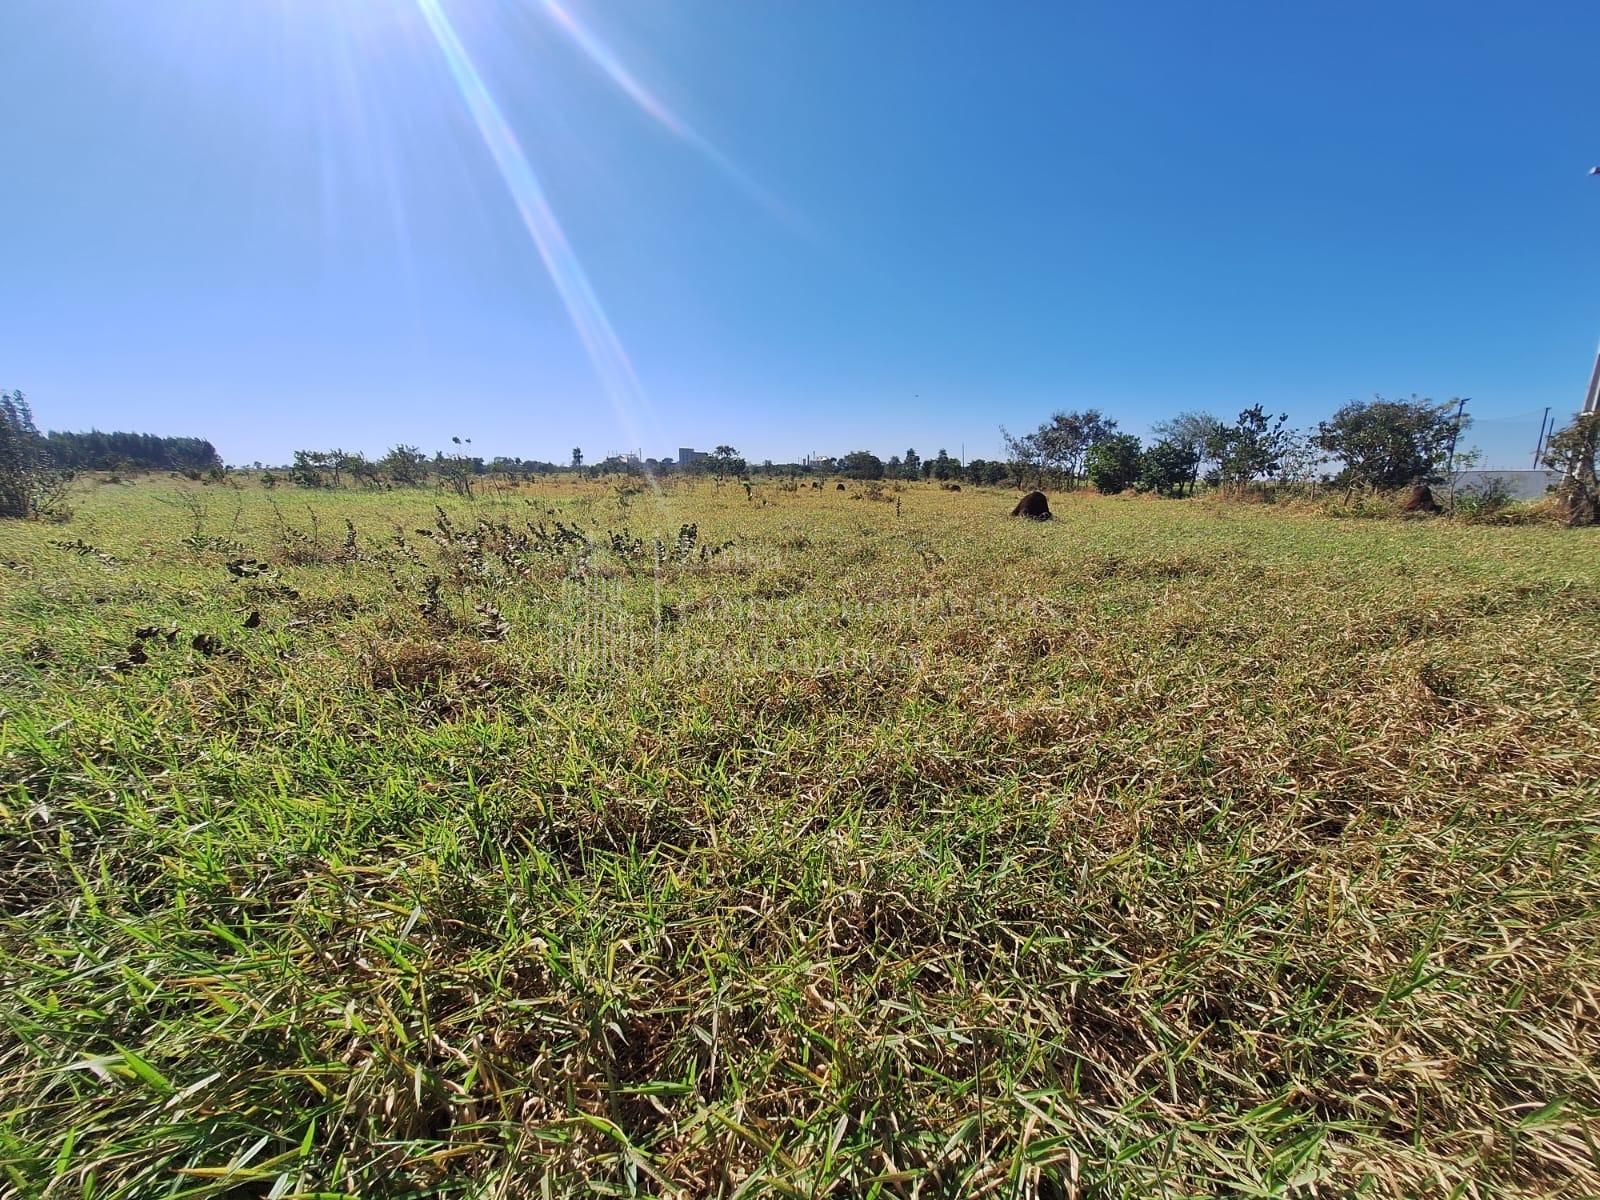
{"x": 807, "y": 226}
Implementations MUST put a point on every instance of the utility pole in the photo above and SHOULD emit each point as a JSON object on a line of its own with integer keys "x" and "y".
{"x": 1591, "y": 399}
{"x": 1538, "y": 443}
{"x": 1450, "y": 464}
{"x": 1461, "y": 405}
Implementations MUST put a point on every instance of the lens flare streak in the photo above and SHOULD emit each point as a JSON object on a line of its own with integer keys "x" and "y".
{"x": 602, "y": 56}
{"x": 600, "y": 339}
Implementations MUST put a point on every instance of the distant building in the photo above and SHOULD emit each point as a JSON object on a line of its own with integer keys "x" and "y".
{"x": 688, "y": 455}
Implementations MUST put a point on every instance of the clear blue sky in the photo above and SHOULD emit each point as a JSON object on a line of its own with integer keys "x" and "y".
{"x": 820, "y": 225}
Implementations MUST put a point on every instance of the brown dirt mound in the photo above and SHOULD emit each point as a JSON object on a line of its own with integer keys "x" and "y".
{"x": 1419, "y": 498}
{"x": 1034, "y": 506}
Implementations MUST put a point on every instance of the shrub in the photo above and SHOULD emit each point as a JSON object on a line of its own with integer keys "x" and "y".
{"x": 1485, "y": 503}
{"x": 1573, "y": 452}
{"x": 1113, "y": 463}
{"x": 29, "y": 485}
{"x": 1167, "y": 467}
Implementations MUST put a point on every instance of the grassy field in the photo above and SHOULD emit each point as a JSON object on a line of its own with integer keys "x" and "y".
{"x": 835, "y": 846}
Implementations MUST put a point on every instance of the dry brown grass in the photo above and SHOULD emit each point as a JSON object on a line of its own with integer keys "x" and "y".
{"x": 1161, "y": 849}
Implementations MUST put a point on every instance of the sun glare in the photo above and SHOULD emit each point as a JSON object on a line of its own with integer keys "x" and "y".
{"x": 600, "y": 340}
{"x": 602, "y": 57}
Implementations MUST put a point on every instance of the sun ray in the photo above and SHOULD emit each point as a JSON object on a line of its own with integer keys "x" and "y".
{"x": 602, "y": 56}
{"x": 571, "y": 281}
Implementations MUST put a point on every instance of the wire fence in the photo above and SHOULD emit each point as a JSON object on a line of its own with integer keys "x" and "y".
{"x": 1505, "y": 441}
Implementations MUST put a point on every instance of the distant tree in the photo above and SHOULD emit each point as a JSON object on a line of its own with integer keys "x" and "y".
{"x": 911, "y": 467}
{"x": 404, "y": 465}
{"x": 95, "y": 450}
{"x": 577, "y": 458}
{"x": 1303, "y": 460}
{"x": 30, "y": 485}
{"x": 353, "y": 465}
{"x": 725, "y": 461}
{"x": 984, "y": 471}
{"x": 942, "y": 467}
{"x": 335, "y": 461}
{"x": 362, "y": 470}
{"x": 1252, "y": 447}
{"x": 1060, "y": 444}
{"x": 457, "y": 471}
{"x": 1389, "y": 444}
{"x": 1112, "y": 464}
{"x": 1168, "y": 467}
{"x": 1572, "y": 451}
{"x": 1024, "y": 456}
{"x": 311, "y": 468}
{"x": 1192, "y": 430}
{"x": 861, "y": 464}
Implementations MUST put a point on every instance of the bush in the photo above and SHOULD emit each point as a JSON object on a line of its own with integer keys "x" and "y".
{"x": 1113, "y": 463}
{"x": 1573, "y": 451}
{"x": 30, "y": 486}
{"x": 1485, "y": 503}
{"x": 1167, "y": 467}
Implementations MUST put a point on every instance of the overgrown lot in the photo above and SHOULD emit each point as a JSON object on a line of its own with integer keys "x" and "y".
{"x": 572, "y": 841}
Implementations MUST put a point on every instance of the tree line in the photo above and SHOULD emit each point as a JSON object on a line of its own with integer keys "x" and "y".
{"x": 1373, "y": 446}
{"x": 95, "y": 450}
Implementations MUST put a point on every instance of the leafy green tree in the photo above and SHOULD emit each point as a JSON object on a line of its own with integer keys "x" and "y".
{"x": 1060, "y": 444}
{"x": 1112, "y": 464}
{"x": 1193, "y": 431}
{"x": 577, "y": 458}
{"x": 1572, "y": 451}
{"x": 311, "y": 468}
{"x": 1252, "y": 447}
{"x": 1168, "y": 467}
{"x": 325, "y": 468}
{"x": 984, "y": 471}
{"x": 911, "y": 467}
{"x": 1390, "y": 444}
{"x": 404, "y": 464}
{"x": 861, "y": 464}
{"x": 351, "y": 464}
{"x": 725, "y": 460}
